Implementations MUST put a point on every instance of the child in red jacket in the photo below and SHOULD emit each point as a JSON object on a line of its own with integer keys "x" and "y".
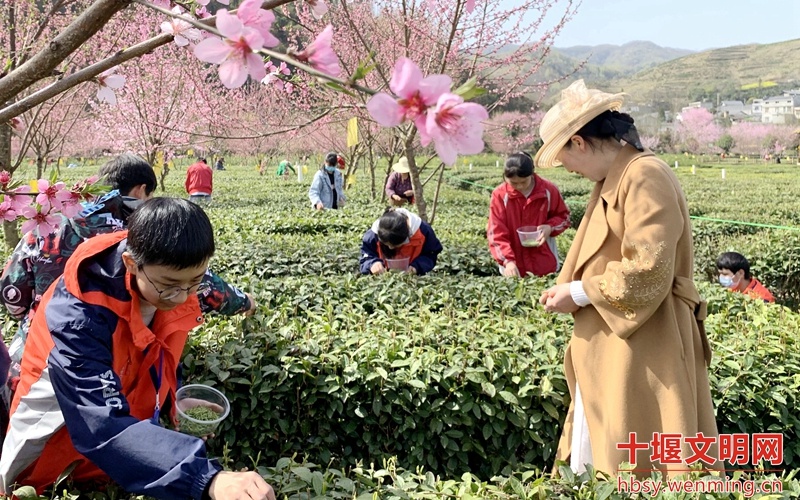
{"x": 525, "y": 200}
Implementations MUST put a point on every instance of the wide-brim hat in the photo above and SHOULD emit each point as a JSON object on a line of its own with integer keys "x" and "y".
{"x": 577, "y": 107}
{"x": 401, "y": 167}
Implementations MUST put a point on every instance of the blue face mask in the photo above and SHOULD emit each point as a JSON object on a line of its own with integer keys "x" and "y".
{"x": 330, "y": 169}
{"x": 726, "y": 281}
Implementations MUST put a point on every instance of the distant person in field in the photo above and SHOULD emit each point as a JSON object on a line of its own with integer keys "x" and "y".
{"x": 734, "y": 274}
{"x": 220, "y": 164}
{"x": 283, "y": 169}
{"x": 525, "y": 200}
{"x": 327, "y": 188}
{"x": 199, "y": 181}
{"x": 398, "y": 186}
{"x": 399, "y": 234}
{"x": 340, "y": 164}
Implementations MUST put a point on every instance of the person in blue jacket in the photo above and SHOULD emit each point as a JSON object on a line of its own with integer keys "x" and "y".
{"x": 396, "y": 235}
{"x": 99, "y": 371}
{"x": 327, "y": 188}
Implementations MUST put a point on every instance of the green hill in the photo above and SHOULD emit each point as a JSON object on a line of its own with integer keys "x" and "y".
{"x": 725, "y": 71}
{"x": 627, "y": 58}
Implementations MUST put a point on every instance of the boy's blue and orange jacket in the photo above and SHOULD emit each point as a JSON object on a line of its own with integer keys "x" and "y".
{"x": 87, "y": 393}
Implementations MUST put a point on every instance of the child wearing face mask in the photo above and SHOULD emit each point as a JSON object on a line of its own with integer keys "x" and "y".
{"x": 327, "y": 188}
{"x": 734, "y": 274}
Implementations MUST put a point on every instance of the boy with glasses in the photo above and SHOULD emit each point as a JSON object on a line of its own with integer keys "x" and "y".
{"x": 100, "y": 366}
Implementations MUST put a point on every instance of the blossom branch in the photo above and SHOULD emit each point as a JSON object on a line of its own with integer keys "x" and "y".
{"x": 65, "y": 43}
{"x": 83, "y": 75}
{"x": 205, "y": 25}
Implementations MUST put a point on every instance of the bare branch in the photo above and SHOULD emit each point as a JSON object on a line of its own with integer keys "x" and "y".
{"x": 83, "y": 75}
{"x": 65, "y": 43}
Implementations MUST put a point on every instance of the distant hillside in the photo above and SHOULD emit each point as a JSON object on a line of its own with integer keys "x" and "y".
{"x": 723, "y": 71}
{"x": 628, "y": 58}
{"x": 602, "y": 64}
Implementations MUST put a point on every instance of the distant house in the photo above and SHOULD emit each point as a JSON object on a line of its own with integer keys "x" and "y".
{"x": 733, "y": 110}
{"x": 757, "y": 107}
{"x": 730, "y": 107}
{"x": 781, "y": 109}
{"x": 698, "y": 104}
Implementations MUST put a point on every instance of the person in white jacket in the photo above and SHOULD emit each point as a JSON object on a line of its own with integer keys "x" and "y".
{"x": 327, "y": 188}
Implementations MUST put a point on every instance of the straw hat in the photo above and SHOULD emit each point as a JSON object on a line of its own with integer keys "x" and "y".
{"x": 577, "y": 107}
{"x": 401, "y": 167}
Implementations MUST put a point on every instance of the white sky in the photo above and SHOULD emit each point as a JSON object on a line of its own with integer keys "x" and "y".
{"x": 685, "y": 24}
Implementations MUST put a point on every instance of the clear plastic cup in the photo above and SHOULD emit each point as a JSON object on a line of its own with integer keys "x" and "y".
{"x": 200, "y": 409}
{"x": 529, "y": 236}
{"x": 397, "y": 264}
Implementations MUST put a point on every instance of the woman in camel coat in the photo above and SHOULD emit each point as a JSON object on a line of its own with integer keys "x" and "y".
{"x": 637, "y": 361}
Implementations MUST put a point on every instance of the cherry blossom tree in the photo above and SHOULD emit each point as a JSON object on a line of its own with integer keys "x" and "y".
{"x": 426, "y": 39}
{"x": 697, "y": 131}
{"x": 755, "y": 138}
{"x": 404, "y": 48}
{"x": 510, "y": 132}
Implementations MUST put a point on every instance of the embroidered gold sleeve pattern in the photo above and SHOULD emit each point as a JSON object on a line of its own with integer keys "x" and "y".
{"x": 639, "y": 281}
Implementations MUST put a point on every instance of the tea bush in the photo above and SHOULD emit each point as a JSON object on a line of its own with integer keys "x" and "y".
{"x": 453, "y": 376}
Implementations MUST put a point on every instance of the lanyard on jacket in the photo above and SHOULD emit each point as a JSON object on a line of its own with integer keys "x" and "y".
{"x": 157, "y": 410}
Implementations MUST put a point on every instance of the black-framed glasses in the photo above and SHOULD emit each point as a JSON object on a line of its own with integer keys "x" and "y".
{"x": 173, "y": 291}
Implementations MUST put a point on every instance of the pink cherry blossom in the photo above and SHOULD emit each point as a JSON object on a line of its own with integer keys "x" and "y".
{"x": 182, "y": 31}
{"x": 109, "y": 81}
{"x": 469, "y": 6}
{"x": 320, "y": 55}
{"x": 273, "y": 77}
{"x": 17, "y": 200}
{"x": 162, "y": 3}
{"x": 5, "y": 178}
{"x": 234, "y": 54}
{"x": 49, "y": 195}
{"x": 41, "y": 221}
{"x": 455, "y": 127}
{"x": 318, "y": 7}
{"x": 253, "y": 16}
{"x": 71, "y": 203}
{"x": 202, "y": 13}
{"x": 416, "y": 94}
{"x": 203, "y": 2}
{"x": 7, "y": 212}
{"x": 288, "y": 87}
{"x": 17, "y": 125}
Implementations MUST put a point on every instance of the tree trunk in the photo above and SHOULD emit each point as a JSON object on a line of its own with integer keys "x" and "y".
{"x": 164, "y": 173}
{"x": 390, "y": 160}
{"x": 371, "y": 159}
{"x": 436, "y": 195}
{"x": 9, "y": 228}
{"x": 416, "y": 185}
{"x": 40, "y": 166}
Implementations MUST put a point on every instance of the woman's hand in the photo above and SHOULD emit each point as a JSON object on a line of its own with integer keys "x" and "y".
{"x": 397, "y": 197}
{"x": 319, "y": 206}
{"x": 377, "y": 268}
{"x": 188, "y": 403}
{"x": 253, "y": 305}
{"x": 240, "y": 486}
{"x": 546, "y": 231}
{"x": 409, "y": 193}
{"x": 510, "y": 270}
{"x": 558, "y": 299}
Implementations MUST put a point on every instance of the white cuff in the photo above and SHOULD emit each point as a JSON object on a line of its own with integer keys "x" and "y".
{"x": 578, "y": 295}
